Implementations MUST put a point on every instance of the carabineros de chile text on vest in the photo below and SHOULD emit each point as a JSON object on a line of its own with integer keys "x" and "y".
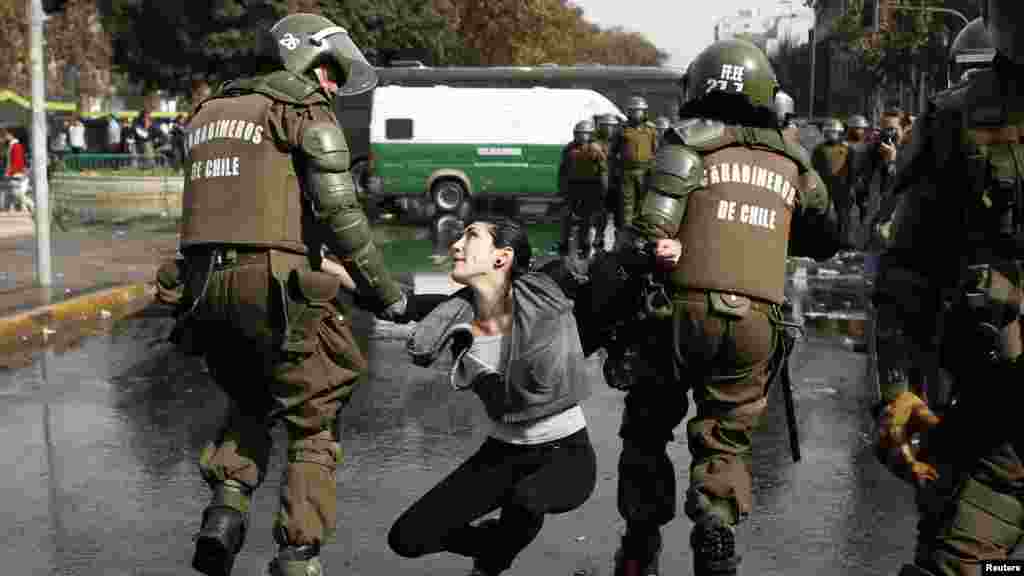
{"x": 750, "y": 214}
{"x": 229, "y": 165}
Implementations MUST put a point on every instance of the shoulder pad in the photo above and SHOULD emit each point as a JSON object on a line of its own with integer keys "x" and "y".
{"x": 798, "y": 153}
{"x": 321, "y": 138}
{"x": 679, "y": 161}
{"x": 282, "y": 86}
{"x": 699, "y": 133}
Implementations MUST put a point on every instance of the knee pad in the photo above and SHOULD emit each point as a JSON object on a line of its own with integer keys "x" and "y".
{"x": 320, "y": 448}
{"x": 232, "y": 494}
{"x": 700, "y": 506}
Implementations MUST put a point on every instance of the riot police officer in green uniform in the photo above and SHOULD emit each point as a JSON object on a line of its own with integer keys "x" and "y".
{"x": 583, "y": 182}
{"x": 835, "y": 161}
{"x": 856, "y": 129}
{"x": 608, "y": 132}
{"x": 267, "y": 185}
{"x": 725, "y": 177}
{"x": 638, "y": 142}
{"x": 949, "y": 297}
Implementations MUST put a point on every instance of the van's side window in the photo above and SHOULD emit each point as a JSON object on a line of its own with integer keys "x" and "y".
{"x": 398, "y": 129}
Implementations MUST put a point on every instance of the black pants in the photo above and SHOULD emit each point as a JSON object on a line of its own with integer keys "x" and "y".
{"x": 525, "y": 482}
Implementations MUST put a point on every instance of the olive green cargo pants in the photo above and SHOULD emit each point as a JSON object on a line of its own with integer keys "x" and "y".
{"x": 583, "y": 218}
{"x": 631, "y": 194}
{"x": 727, "y": 363}
{"x": 281, "y": 351}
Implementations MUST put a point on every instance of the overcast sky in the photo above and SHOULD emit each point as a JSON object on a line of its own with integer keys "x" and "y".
{"x": 680, "y": 27}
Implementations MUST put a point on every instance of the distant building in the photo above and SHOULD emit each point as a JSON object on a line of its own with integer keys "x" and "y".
{"x": 766, "y": 30}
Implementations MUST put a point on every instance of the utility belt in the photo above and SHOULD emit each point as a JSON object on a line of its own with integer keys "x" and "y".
{"x": 634, "y": 165}
{"x": 220, "y": 257}
{"x": 202, "y": 261}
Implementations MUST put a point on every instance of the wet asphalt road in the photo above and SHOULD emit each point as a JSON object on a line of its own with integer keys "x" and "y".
{"x": 101, "y": 444}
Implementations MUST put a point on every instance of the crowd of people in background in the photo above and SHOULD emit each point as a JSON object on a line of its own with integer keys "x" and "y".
{"x": 149, "y": 142}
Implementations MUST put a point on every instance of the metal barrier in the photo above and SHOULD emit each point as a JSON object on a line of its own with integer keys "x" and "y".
{"x": 105, "y": 162}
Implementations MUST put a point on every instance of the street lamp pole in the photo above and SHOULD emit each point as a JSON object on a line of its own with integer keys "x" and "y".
{"x": 813, "y": 43}
{"x": 44, "y": 270}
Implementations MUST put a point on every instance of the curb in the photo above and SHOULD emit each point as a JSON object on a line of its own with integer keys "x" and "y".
{"x": 67, "y": 320}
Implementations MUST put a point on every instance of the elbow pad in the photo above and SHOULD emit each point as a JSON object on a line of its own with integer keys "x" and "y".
{"x": 328, "y": 182}
{"x": 330, "y": 186}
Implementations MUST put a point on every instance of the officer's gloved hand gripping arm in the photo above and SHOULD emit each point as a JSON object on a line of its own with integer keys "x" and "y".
{"x": 349, "y": 237}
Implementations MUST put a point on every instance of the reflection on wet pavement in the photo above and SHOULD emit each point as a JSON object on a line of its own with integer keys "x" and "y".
{"x": 101, "y": 445}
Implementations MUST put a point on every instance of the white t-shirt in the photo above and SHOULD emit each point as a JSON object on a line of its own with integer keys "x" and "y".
{"x": 76, "y": 135}
{"x": 487, "y": 349}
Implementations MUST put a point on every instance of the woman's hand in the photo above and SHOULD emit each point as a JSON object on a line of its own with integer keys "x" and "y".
{"x": 667, "y": 252}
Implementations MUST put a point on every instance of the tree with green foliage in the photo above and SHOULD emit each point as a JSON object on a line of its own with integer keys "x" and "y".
{"x": 397, "y": 29}
{"x": 905, "y": 41}
{"x": 167, "y": 45}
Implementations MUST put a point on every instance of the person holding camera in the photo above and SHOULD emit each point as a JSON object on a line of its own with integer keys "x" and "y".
{"x": 875, "y": 174}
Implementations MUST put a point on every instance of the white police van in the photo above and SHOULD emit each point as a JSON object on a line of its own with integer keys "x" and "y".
{"x": 447, "y": 144}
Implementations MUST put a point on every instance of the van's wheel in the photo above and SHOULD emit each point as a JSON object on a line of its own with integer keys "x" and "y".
{"x": 447, "y": 229}
{"x": 448, "y": 194}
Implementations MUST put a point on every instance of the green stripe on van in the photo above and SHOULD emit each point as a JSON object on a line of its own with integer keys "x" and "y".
{"x": 505, "y": 169}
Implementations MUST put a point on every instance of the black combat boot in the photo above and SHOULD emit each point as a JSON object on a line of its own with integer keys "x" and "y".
{"x": 297, "y": 561}
{"x": 223, "y": 531}
{"x": 638, "y": 553}
{"x": 714, "y": 548}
